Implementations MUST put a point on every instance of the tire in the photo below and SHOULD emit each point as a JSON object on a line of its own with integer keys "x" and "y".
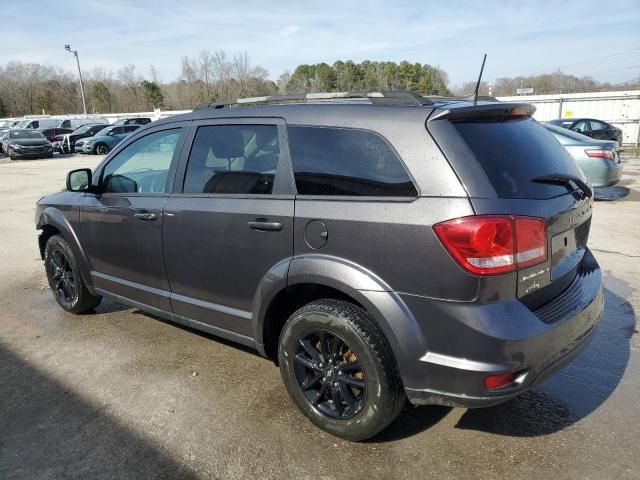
{"x": 64, "y": 277}
{"x": 101, "y": 149}
{"x": 379, "y": 396}
{"x": 10, "y": 154}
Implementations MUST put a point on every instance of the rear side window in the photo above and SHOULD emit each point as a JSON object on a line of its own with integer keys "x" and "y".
{"x": 512, "y": 152}
{"x": 341, "y": 161}
{"x": 233, "y": 159}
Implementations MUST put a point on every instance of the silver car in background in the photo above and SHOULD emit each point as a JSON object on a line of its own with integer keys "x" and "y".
{"x": 598, "y": 159}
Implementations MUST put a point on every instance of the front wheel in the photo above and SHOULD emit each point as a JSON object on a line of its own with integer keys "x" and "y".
{"x": 64, "y": 277}
{"x": 339, "y": 370}
{"x": 101, "y": 149}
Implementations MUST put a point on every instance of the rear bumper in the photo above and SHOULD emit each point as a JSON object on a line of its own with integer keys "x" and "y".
{"x": 469, "y": 341}
{"x": 607, "y": 175}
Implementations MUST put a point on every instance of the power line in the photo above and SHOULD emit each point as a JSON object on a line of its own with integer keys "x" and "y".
{"x": 604, "y": 59}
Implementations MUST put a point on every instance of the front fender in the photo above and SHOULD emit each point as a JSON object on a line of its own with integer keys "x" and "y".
{"x": 54, "y": 217}
{"x": 385, "y": 306}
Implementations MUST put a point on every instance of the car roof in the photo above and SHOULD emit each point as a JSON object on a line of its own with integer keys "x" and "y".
{"x": 343, "y": 111}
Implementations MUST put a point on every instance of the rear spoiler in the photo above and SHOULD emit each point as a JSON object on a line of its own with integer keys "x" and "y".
{"x": 485, "y": 110}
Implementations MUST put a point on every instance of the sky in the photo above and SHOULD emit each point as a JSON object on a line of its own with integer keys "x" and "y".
{"x": 587, "y": 37}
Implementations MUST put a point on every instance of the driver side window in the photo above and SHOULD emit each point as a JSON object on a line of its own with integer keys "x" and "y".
{"x": 143, "y": 166}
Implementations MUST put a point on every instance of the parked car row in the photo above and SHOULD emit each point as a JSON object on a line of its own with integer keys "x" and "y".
{"x": 71, "y": 124}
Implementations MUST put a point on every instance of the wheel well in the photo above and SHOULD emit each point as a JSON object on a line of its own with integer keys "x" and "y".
{"x": 288, "y": 301}
{"x": 48, "y": 231}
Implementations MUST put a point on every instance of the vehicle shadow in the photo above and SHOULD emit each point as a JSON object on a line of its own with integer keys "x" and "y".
{"x": 578, "y": 389}
{"x": 411, "y": 421}
{"x": 49, "y": 431}
{"x": 608, "y": 194}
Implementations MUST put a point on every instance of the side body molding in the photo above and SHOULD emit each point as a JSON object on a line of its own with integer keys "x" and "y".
{"x": 55, "y": 218}
{"x": 387, "y": 308}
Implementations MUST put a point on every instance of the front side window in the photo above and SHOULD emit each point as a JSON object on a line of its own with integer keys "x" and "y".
{"x": 143, "y": 166}
{"x": 233, "y": 159}
{"x": 342, "y": 161}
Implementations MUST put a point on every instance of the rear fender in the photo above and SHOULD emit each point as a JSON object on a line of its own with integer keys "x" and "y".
{"x": 385, "y": 306}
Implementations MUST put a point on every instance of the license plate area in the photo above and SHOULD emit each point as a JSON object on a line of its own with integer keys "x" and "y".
{"x": 562, "y": 245}
{"x": 567, "y": 250}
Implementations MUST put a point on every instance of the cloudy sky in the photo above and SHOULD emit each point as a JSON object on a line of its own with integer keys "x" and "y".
{"x": 587, "y": 37}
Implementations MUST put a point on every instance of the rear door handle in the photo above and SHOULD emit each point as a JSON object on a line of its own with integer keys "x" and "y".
{"x": 264, "y": 225}
{"x": 146, "y": 216}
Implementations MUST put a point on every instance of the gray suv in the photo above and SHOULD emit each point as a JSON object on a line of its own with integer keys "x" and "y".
{"x": 377, "y": 248}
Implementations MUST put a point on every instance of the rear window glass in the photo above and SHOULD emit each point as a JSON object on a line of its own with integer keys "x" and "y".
{"x": 342, "y": 161}
{"x": 512, "y": 152}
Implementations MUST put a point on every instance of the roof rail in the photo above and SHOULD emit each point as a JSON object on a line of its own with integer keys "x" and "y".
{"x": 378, "y": 98}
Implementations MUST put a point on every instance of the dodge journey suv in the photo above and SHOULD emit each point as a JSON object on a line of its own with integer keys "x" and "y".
{"x": 377, "y": 247}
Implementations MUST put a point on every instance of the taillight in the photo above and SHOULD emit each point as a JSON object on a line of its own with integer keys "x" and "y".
{"x": 494, "y": 244}
{"x": 600, "y": 153}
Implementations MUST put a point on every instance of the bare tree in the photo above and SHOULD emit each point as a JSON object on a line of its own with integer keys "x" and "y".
{"x": 131, "y": 80}
{"x": 206, "y": 71}
{"x": 153, "y": 73}
{"x": 221, "y": 72}
{"x": 241, "y": 68}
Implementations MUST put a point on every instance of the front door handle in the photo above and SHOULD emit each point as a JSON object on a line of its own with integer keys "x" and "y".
{"x": 264, "y": 225}
{"x": 146, "y": 216}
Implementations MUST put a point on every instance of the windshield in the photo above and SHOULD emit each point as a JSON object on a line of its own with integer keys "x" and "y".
{"x": 83, "y": 129}
{"x": 25, "y": 134}
{"x": 569, "y": 134}
{"x": 22, "y": 123}
{"x": 562, "y": 123}
{"x": 104, "y": 131}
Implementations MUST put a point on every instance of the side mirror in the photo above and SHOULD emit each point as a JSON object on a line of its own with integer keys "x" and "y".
{"x": 79, "y": 180}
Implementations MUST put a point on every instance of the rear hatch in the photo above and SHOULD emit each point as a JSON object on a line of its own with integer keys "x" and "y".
{"x": 510, "y": 164}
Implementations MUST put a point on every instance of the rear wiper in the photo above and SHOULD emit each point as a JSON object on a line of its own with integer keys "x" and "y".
{"x": 563, "y": 179}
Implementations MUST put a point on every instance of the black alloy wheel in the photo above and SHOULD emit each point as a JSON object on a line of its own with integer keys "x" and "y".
{"x": 64, "y": 280}
{"x": 330, "y": 375}
{"x": 101, "y": 149}
{"x": 339, "y": 369}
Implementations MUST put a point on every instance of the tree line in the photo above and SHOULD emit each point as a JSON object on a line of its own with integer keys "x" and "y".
{"x": 32, "y": 88}
{"x": 546, "y": 83}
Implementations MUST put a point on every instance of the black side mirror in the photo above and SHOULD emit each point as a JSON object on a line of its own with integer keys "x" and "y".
{"x": 79, "y": 180}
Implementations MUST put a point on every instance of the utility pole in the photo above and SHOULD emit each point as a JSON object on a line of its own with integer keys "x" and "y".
{"x": 75, "y": 53}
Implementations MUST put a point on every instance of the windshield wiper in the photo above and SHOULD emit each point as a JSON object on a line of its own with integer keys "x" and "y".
{"x": 565, "y": 180}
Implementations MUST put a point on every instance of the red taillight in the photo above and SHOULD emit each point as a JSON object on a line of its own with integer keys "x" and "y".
{"x": 599, "y": 153}
{"x": 499, "y": 380}
{"x": 494, "y": 244}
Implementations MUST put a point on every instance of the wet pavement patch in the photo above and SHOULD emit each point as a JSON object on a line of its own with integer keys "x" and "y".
{"x": 611, "y": 193}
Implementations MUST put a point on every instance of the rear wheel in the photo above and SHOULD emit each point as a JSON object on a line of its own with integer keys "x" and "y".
{"x": 64, "y": 277}
{"x": 339, "y": 370}
{"x": 101, "y": 149}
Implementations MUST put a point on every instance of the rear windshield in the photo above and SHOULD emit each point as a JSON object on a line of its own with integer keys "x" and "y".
{"x": 512, "y": 152}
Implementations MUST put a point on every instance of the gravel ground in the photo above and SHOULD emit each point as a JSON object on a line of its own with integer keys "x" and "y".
{"x": 121, "y": 394}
